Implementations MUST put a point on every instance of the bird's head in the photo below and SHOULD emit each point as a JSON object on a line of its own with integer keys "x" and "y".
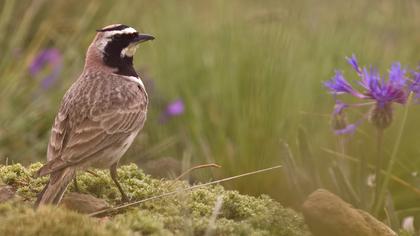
{"x": 115, "y": 45}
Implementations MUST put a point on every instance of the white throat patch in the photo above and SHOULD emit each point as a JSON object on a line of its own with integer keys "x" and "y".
{"x": 136, "y": 80}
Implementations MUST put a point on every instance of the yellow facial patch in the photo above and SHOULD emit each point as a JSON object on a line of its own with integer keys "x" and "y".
{"x": 129, "y": 51}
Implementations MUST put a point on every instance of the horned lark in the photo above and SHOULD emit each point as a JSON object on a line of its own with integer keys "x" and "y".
{"x": 100, "y": 115}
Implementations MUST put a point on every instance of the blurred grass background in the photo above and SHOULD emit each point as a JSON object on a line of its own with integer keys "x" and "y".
{"x": 248, "y": 72}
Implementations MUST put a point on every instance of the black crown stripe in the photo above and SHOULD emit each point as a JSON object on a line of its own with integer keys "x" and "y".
{"x": 118, "y": 27}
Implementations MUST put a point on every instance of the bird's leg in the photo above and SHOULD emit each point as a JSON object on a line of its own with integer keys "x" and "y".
{"x": 114, "y": 177}
{"x": 92, "y": 173}
{"x": 76, "y": 186}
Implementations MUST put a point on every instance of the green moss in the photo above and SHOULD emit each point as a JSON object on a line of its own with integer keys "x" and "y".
{"x": 143, "y": 222}
{"x": 18, "y": 219}
{"x": 179, "y": 214}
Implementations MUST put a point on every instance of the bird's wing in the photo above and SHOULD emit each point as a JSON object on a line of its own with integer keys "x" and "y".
{"x": 58, "y": 136}
{"x": 79, "y": 133}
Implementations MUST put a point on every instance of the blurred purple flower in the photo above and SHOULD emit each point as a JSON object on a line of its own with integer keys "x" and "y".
{"x": 339, "y": 120}
{"x": 339, "y": 85}
{"x": 415, "y": 84}
{"x": 386, "y": 92}
{"x": 339, "y": 107}
{"x": 397, "y": 75}
{"x": 49, "y": 57}
{"x": 353, "y": 62}
{"x": 172, "y": 109}
{"x": 175, "y": 108}
{"x": 349, "y": 129}
{"x": 375, "y": 87}
{"x": 381, "y": 92}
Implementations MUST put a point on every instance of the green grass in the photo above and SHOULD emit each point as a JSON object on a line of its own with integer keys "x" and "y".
{"x": 250, "y": 74}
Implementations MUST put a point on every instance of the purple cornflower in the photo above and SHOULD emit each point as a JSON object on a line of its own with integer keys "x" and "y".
{"x": 381, "y": 92}
{"x": 49, "y": 57}
{"x": 415, "y": 85}
{"x": 339, "y": 85}
{"x": 174, "y": 108}
{"x": 353, "y": 62}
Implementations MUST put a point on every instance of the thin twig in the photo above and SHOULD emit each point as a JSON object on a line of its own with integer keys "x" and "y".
{"x": 182, "y": 190}
{"x": 197, "y": 167}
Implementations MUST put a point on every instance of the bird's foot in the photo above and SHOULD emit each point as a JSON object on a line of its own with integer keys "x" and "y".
{"x": 125, "y": 199}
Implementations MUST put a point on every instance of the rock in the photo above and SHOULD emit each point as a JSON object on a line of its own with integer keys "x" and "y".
{"x": 83, "y": 203}
{"x": 327, "y": 214}
{"x": 6, "y": 193}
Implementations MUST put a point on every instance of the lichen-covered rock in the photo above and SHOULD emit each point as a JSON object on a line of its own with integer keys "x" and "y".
{"x": 327, "y": 214}
{"x": 183, "y": 213}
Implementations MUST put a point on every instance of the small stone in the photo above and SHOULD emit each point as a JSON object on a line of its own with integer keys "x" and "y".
{"x": 83, "y": 203}
{"x": 328, "y": 214}
{"x": 6, "y": 193}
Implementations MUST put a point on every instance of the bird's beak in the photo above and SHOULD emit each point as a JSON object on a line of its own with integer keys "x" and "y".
{"x": 140, "y": 38}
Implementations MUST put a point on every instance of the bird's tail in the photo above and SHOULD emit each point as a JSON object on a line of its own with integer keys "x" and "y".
{"x": 55, "y": 188}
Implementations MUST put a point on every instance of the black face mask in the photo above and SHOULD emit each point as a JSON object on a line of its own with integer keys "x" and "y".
{"x": 113, "y": 58}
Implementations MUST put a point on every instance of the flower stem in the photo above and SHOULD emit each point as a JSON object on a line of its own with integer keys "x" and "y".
{"x": 342, "y": 164}
{"x": 392, "y": 160}
{"x": 362, "y": 182}
{"x": 378, "y": 164}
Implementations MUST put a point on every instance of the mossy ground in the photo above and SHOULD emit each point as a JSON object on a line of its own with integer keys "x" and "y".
{"x": 185, "y": 213}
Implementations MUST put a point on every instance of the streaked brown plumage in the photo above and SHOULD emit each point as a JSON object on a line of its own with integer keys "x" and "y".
{"x": 99, "y": 116}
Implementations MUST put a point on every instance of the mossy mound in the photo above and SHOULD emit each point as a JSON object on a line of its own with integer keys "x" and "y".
{"x": 18, "y": 218}
{"x": 184, "y": 213}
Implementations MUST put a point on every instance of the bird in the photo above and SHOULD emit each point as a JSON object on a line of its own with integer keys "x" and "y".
{"x": 100, "y": 114}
